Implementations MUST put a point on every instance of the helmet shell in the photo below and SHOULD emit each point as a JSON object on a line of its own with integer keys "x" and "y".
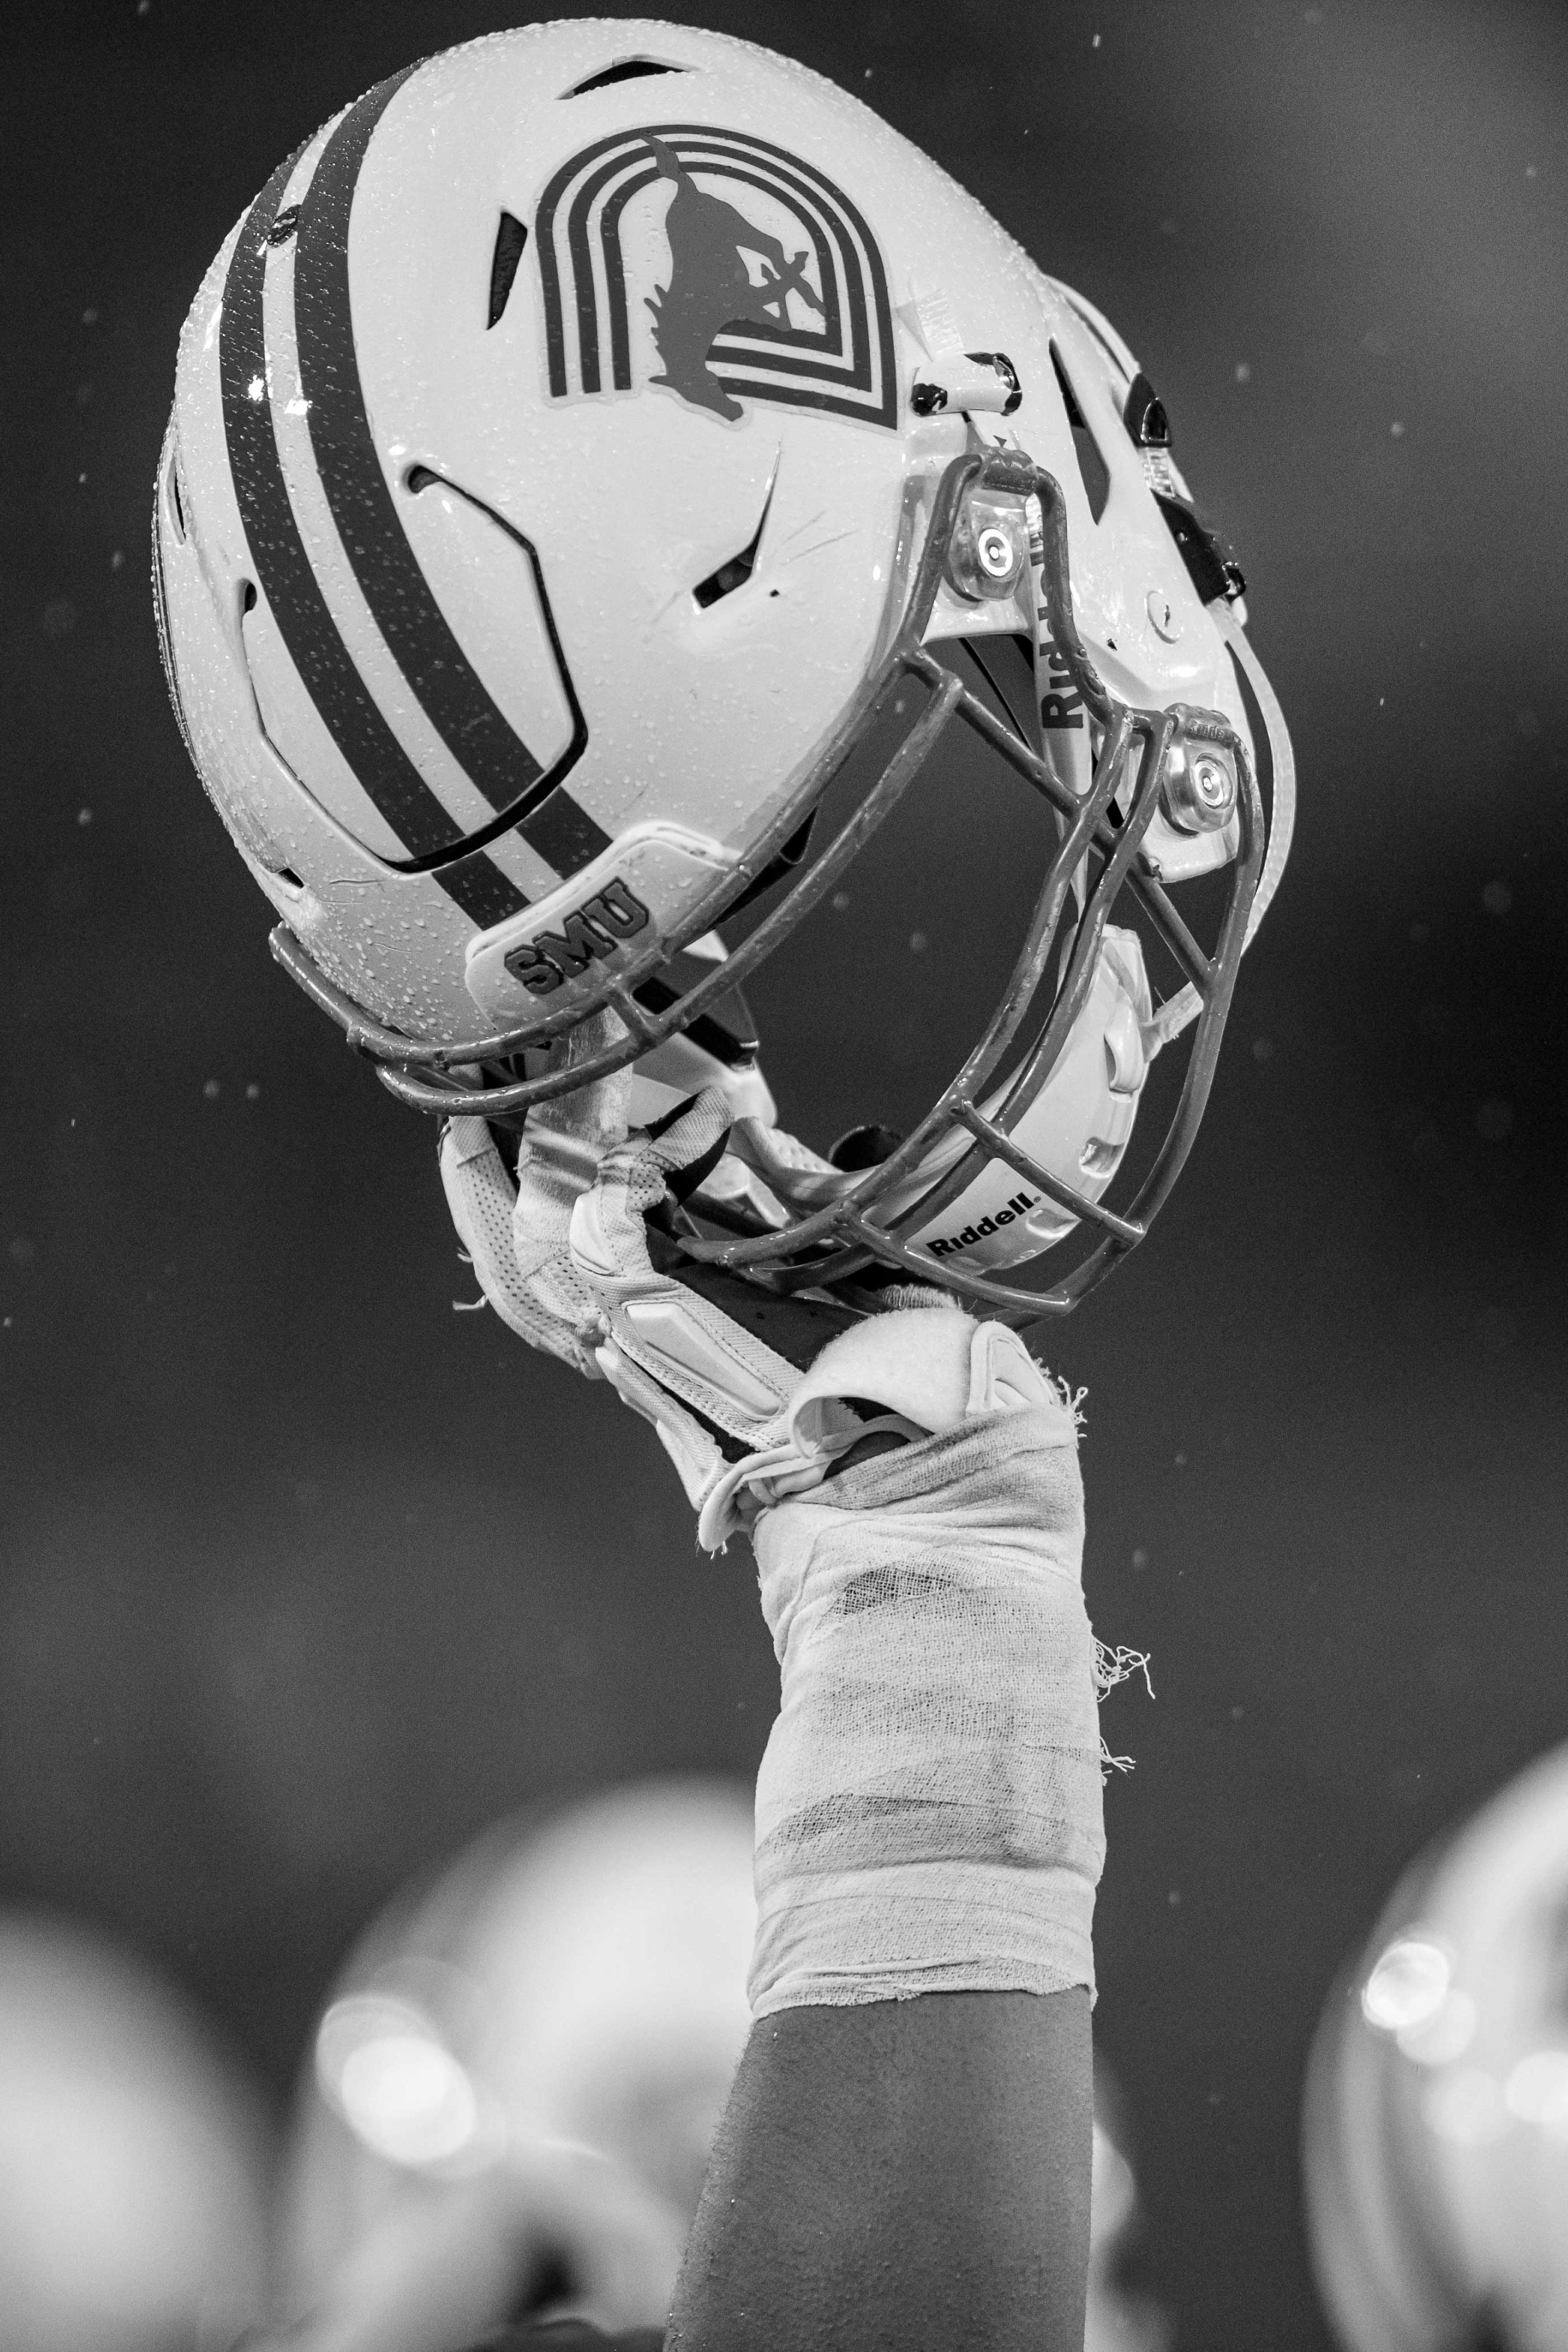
{"x": 1435, "y": 2140}
{"x": 498, "y": 455}
{"x": 134, "y": 2153}
{"x": 574, "y": 1979}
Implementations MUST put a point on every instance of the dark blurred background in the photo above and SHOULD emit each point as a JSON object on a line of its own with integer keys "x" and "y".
{"x": 306, "y": 1576}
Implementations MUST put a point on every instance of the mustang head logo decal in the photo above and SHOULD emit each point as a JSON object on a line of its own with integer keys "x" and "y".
{"x": 711, "y": 286}
{"x": 758, "y": 279}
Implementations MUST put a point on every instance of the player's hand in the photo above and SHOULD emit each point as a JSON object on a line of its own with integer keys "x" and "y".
{"x": 562, "y": 1252}
{"x": 749, "y": 1394}
{"x": 515, "y": 1227}
{"x": 929, "y": 1808}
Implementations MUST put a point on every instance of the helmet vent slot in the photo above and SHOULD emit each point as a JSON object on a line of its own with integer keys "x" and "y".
{"x": 738, "y": 569}
{"x": 510, "y": 238}
{"x": 1144, "y": 415}
{"x": 1092, "y": 468}
{"x": 630, "y": 69}
{"x": 727, "y": 578}
{"x": 176, "y": 504}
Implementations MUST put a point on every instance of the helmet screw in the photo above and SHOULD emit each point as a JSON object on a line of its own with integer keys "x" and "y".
{"x": 1199, "y": 789}
{"x": 998, "y": 557}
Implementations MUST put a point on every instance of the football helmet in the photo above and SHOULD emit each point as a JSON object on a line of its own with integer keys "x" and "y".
{"x": 574, "y": 1981}
{"x": 135, "y": 2154}
{"x": 588, "y": 448}
{"x": 1435, "y": 2140}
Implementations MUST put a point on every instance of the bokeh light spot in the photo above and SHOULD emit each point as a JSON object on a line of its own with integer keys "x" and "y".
{"x": 1438, "y": 2040}
{"x": 1466, "y": 2109}
{"x": 1537, "y": 2090}
{"x": 408, "y": 2099}
{"x": 1408, "y": 1985}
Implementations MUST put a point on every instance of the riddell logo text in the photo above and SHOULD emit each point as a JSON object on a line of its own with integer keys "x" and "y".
{"x": 1018, "y": 1206}
{"x": 595, "y": 928}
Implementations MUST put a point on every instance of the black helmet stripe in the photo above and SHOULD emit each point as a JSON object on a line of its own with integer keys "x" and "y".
{"x": 452, "y": 694}
{"x": 372, "y": 751}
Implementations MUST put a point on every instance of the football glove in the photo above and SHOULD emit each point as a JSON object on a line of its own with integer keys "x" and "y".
{"x": 753, "y": 1397}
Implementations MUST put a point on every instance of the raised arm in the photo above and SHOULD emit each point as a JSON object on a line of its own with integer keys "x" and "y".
{"x": 913, "y": 2174}
{"x": 905, "y": 2155}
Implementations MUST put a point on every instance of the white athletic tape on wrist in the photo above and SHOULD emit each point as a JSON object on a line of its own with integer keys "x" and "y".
{"x": 928, "y": 1366}
{"x": 929, "y": 1809}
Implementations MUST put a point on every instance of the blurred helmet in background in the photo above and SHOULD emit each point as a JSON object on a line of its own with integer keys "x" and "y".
{"x": 572, "y": 1989}
{"x": 132, "y": 2156}
{"x": 573, "y": 1983}
{"x": 1119, "y": 2318}
{"x": 1436, "y": 2144}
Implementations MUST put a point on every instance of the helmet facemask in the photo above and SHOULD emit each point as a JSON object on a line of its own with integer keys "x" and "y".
{"x": 995, "y": 527}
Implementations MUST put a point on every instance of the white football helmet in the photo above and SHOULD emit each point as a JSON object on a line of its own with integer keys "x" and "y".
{"x": 575, "y": 1983}
{"x": 134, "y": 2155}
{"x": 1435, "y": 2135}
{"x": 580, "y": 448}
{"x": 570, "y": 1984}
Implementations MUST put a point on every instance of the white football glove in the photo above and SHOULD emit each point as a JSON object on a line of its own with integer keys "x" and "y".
{"x": 563, "y": 1254}
{"x": 515, "y": 1232}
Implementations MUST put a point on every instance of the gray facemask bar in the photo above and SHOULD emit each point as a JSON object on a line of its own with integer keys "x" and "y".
{"x": 842, "y": 1238}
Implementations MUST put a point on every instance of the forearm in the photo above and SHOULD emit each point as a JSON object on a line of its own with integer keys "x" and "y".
{"x": 905, "y": 2159}
{"x": 910, "y": 2174}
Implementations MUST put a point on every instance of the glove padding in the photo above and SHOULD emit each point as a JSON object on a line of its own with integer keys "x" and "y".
{"x": 563, "y": 1254}
{"x": 515, "y": 1231}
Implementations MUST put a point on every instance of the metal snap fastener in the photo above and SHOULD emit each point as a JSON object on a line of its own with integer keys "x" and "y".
{"x": 997, "y": 555}
{"x": 1198, "y": 787}
{"x": 1213, "y": 785}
